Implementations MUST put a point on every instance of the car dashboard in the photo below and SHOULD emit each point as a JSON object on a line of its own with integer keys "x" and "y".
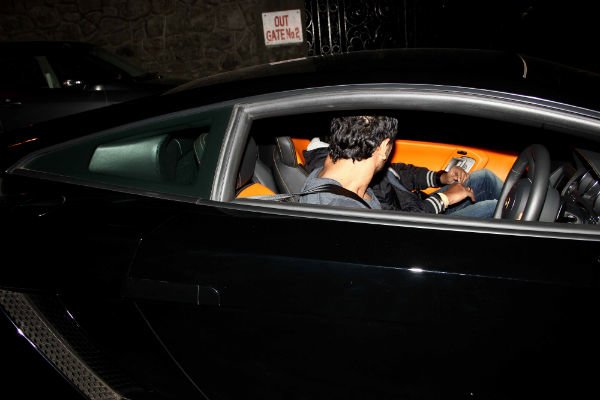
{"x": 580, "y": 190}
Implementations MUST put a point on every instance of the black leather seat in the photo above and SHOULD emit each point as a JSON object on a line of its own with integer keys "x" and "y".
{"x": 253, "y": 170}
{"x": 289, "y": 174}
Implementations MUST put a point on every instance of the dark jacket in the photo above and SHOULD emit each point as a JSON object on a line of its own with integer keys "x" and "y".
{"x": 396, "y": 188}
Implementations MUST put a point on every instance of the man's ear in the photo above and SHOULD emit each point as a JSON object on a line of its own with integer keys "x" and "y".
{"x": 384, "y": 148}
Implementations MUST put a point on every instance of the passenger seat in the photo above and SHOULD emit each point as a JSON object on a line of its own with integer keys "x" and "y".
{"x": 289, "y": 174}
{"x": 254, "y": 177}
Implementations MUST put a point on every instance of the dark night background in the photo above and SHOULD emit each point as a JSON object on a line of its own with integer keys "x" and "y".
{"x": 195, "y": 38}
{"x": 191, "y": 39}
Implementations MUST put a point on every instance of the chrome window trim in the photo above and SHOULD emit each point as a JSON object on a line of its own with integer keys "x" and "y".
{"x": 547, "y": 230}
{"x": 465, "y": 101}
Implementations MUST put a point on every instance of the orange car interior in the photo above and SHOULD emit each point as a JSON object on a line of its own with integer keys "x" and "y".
{"x": 434, "y": 156}
{"x": 437, "y": 156}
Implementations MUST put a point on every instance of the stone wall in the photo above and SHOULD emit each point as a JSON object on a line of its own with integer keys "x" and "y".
{"x": 182, "y": 38}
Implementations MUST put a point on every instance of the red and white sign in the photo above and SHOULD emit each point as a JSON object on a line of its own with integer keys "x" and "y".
{"x": 282, "y": 27}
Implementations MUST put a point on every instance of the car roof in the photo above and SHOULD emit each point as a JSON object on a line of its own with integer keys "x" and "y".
{"x": 371, "y": 66}
{"x": 484, "y": 69}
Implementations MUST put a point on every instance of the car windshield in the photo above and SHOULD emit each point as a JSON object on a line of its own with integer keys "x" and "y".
{"x": 125, "y": 65}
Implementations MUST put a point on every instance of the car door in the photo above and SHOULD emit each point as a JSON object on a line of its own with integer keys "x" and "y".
{"x": 292, "y": 306}
{"x": 292, "y": 301}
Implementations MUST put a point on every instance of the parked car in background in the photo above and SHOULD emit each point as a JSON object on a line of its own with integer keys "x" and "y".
{"x": 140, "y": 263}
{"x": 46, "y": 80}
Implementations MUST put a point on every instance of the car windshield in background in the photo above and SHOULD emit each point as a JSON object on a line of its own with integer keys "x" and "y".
{"x": 125, "y": 65}
{"x": 46, "y": 80}
{"x": 84, "y": 67}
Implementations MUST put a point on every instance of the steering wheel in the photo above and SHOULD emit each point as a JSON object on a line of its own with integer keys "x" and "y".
{"x": 523, "y": 199}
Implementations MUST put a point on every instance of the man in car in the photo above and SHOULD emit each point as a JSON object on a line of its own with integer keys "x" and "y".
{"x": 395, "y": 186}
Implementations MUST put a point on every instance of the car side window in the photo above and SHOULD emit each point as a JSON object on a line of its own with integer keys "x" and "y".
{"x": 174, "y": 155}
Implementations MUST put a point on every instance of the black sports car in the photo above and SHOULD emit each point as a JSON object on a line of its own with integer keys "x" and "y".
{"x": 147, "y": 254}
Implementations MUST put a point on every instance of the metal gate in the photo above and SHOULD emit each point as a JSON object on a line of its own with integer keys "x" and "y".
{"x": 340, "y": 26}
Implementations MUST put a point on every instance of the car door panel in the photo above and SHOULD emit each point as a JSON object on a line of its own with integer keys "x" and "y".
{"x": 358, "y": 310}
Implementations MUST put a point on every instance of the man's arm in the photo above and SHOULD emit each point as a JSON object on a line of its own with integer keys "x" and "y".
{"x": 420, "y": 178}
{"x": 416, "y": 178}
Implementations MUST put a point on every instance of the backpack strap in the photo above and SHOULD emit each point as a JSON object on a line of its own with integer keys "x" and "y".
{"x": 324, "y": 188}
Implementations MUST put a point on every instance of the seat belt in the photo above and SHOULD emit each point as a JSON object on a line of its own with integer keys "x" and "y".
{"x": 324, "y": 188}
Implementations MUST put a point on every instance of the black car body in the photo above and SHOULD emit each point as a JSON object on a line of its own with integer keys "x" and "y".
{"x": 141, "y": 271}
{"x": 45, "y": 80}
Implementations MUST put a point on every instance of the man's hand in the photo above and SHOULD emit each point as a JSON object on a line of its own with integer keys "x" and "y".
{"x": 455, "y": 175}
{"x": 457, "y": 193}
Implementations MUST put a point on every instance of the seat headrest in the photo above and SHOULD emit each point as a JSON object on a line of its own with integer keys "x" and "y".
{"x": 287, "y": 151}
{"x": 145, "y": 158}
{"x": 246, "y": 171}
{"x": 289, "y": 175}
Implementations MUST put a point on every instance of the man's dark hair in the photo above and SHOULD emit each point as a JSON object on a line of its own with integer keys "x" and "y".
{"x": 357, "y": 137}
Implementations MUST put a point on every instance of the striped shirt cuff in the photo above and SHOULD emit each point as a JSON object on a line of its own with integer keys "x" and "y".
{"x": 437, "y": 203}
{"x": 431, "y": 179}
{"x": 444, "y": 200}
